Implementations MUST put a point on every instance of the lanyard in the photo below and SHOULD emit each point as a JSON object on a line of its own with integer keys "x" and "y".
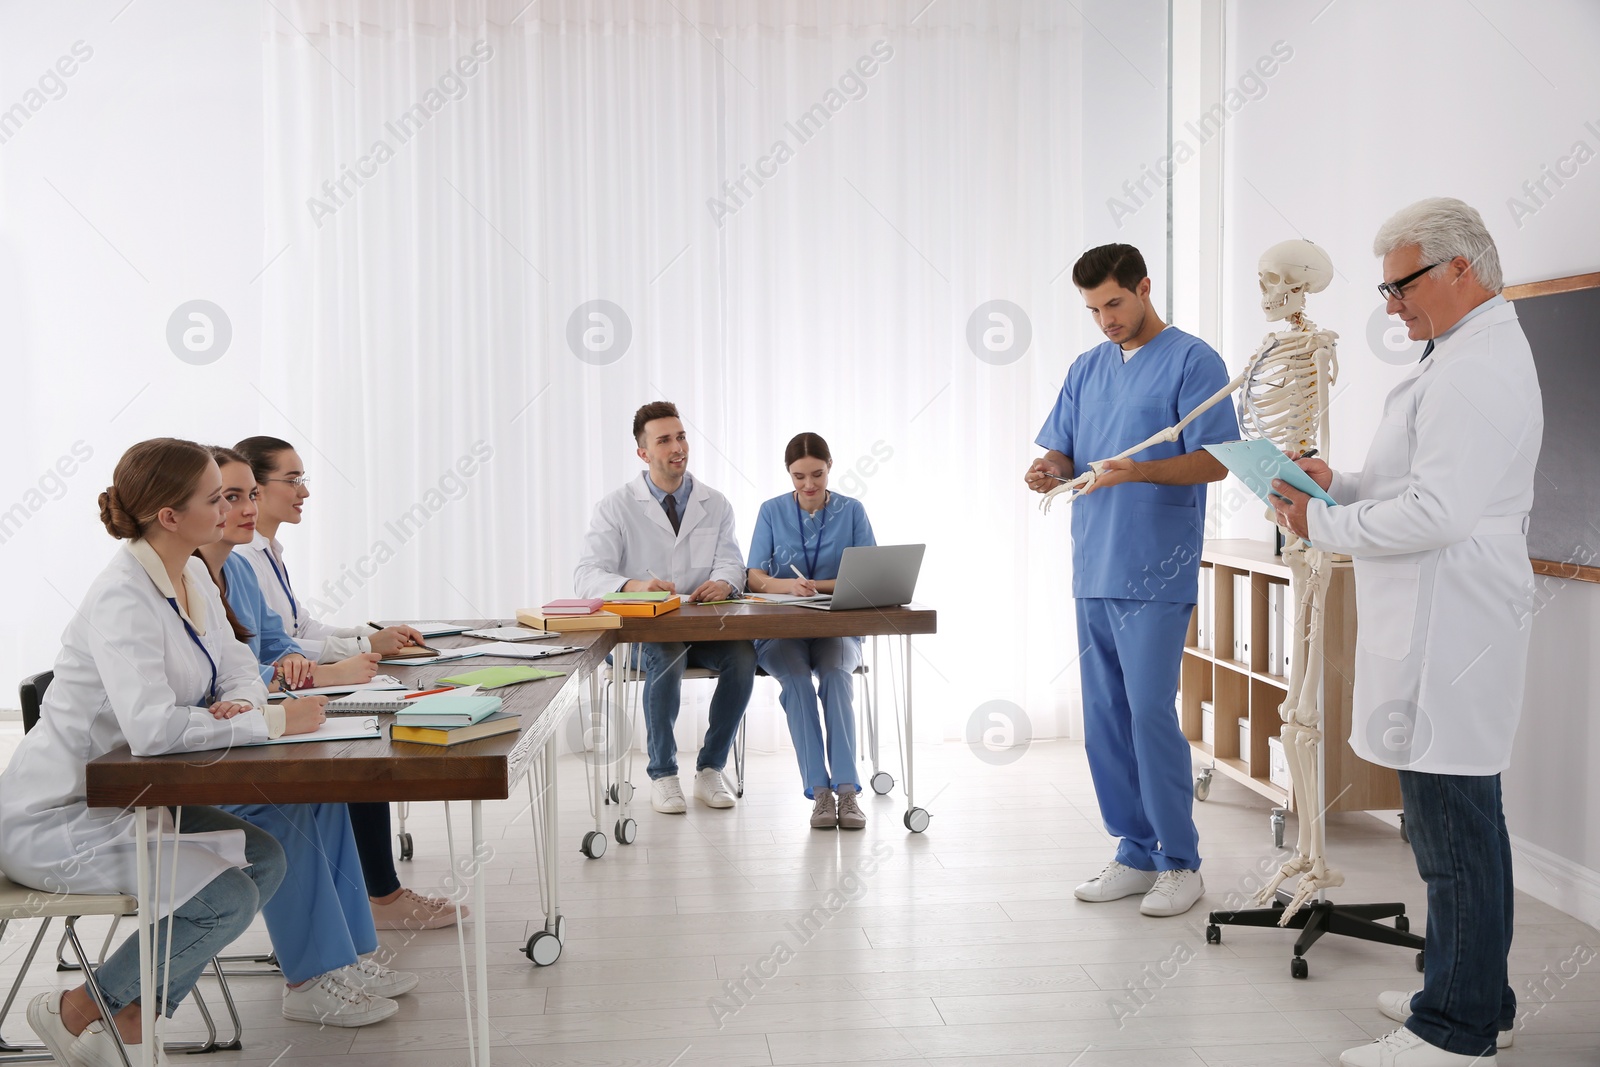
{"x": 211, "y": 690}
{"x": 283, "y": 580}
{"x": 811, "y": 558}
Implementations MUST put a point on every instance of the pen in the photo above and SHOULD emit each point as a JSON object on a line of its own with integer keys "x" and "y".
{"x": 797, "y": 573}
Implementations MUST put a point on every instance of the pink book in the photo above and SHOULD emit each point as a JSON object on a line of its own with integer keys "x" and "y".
{"x": 572, "y": 607}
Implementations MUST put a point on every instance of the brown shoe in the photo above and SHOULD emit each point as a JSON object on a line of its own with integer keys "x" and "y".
{"x": 823, "y": 816}
{"x": 413, "y": 911}
{"x": 850, "y": 815}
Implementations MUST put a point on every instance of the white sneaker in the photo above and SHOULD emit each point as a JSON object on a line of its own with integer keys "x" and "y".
{"x": 1115, "y": 882}
{"x": 1397, "y": 1006}
{"x": 666, "y": 795}
{"x": 711, "y": 790}
{"x": 1402, "y": 1048}
{"x": 331, "y": 1001}
{"x": 44, "y": 1015}
{"x": 370, "y": 975}
{"x": 1174, "y": 893}
{"x": 96, "y": 1048}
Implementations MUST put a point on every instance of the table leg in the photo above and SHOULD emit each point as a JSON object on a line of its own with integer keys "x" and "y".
{"x": 147, "y": 954}
{"x": 916, "y": 819}
{"x": 480, "y": 921}
{"x": 552, "y": 859}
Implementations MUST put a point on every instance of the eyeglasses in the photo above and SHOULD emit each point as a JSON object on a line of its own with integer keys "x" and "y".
{"x": 1396, "y": 290}
{"x": 299, "y": 481}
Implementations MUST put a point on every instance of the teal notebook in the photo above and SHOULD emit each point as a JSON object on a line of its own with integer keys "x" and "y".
{"x": 446, "y": 709}
{"x": 1257, "y": 463}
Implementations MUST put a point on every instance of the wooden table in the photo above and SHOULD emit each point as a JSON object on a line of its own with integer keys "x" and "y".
{"x": 377, "y": 770}
{"x": 755, "y": 621}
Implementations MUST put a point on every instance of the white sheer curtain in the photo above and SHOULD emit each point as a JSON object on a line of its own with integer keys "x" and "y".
{"x": 418, "y": 313}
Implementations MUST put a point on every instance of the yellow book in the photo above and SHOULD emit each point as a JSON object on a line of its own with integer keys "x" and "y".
{"x": 600, "y": 620}
{"x": 643, "y": 609}
{"x": 501, "y": 722}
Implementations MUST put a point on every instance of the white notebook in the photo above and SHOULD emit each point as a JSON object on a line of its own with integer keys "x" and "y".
{"x": 352, "y": 729}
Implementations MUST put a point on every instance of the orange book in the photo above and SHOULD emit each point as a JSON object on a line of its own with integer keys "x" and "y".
{"x": 600, "y": 620}
{"x": 642, "y": 609}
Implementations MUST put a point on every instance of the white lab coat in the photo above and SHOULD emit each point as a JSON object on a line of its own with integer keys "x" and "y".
{"x": 1436, "y": 521}
{"x": 629, "y": 537}
{"x": 320, "y": 641}
{"x": 128, "y": 673}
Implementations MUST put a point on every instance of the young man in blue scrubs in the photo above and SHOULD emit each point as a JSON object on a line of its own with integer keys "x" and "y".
{"x": 1136, "y": 537}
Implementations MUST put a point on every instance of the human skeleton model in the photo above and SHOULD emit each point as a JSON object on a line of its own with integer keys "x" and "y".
{"x": 1284, "y": 397}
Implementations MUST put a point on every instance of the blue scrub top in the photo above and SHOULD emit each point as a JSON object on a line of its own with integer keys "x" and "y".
{"x": 269, "y": 640}
{"x": 783, "y": 537}
{"x": 1138, "y": 541}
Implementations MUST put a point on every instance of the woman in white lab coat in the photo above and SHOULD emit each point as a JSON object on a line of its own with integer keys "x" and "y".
{"x": 282, "y": 493}
{"x": 147, "y": 661}
{"x": 1436, "y": 521}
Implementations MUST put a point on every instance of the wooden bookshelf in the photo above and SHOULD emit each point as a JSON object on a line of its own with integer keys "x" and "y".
{"x": 1246, "y": 689}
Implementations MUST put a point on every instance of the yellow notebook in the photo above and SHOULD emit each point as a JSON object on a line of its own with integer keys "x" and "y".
{"x": 643, "y": 609}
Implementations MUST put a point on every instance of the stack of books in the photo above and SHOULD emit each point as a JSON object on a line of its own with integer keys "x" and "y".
{"x": 448, "y": 719}
{"x": 641, "y": 605}
{"x": 569, "y": 616}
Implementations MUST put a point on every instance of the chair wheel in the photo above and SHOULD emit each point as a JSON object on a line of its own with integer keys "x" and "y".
{"x": 1213, "y": 934}
{"x": 916, "y": 820}
{"x": 1419, "y": 961}
{"x": 1402, "y": 924}
{"x": 543, "y": 948}
{"x": 594, "y": 845}
{"x": 1298, "y": 968}
{"x": 882, "y": 782}
{"x": 626, "y": 831}
{"x": 405, "y": 845}
{"x": 620, "y": 792}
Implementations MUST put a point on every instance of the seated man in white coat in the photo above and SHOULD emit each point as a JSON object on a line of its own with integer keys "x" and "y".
{"x": 666, "y": 531}
{"x": 1437, "y": 520}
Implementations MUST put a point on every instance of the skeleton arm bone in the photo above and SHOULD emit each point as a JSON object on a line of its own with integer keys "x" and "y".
{"x": 1170, "y": 434}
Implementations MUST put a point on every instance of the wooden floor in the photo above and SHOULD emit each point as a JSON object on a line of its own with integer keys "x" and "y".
{"x": 743, "y": 937}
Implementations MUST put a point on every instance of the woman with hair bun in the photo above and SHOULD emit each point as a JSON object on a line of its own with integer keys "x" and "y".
{"x": 147, "y": 661}
{"x": 807, "y": 530}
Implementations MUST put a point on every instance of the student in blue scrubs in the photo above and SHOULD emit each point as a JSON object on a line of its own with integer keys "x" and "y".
{"x": 320, "y": 921}
{"x": 1136, "y": 538}
{"x": 807, "y": 530}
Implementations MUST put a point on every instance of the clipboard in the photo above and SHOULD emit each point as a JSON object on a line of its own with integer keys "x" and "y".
{"x": 1256, "y": 463}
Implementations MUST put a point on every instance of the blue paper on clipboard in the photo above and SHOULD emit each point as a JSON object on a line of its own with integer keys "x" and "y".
{"x": 1257, "y": 463}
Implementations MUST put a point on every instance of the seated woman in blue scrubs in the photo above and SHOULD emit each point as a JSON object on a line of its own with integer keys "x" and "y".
{"x": 807, "y": 530}
{"x": 320, "y": 922}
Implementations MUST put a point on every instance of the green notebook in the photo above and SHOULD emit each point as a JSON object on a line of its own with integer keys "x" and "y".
{"x": 652, "y": 597}
{"x": 495, "y": 677}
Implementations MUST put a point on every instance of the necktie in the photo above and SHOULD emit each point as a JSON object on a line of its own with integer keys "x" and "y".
{"x": 670, "y": 503}
{"x": 1426, "y": 352}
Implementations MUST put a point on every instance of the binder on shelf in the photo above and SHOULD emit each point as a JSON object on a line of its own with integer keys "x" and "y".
{"x": 1208, "y": 722}
{"x": 1275, "y": 628}
{"x": 1278, "y": 764}
{"x": 1286, "y": 638}
{"x": 1244, "y": 738}
{"x": 1203, "y": 621}
{"x": 1241, "y": 618}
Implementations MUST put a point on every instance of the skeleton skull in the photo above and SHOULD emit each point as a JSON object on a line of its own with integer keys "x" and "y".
{"x": 1289, "y": 270}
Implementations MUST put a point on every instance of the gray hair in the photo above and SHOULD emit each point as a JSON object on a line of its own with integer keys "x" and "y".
{"x": 1443, "y": 228}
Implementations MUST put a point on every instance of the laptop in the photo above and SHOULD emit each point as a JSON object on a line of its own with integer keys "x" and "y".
{"x": 883, "y": 576}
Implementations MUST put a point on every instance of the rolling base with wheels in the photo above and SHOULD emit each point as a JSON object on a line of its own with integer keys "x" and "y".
{"x": 1359, "y": 921}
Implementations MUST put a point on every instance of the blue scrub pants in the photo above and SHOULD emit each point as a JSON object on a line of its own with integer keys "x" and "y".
{"x": 1130, "y": 654}
{"x": 793, "y": 661}
{"x": 320, "y": 918}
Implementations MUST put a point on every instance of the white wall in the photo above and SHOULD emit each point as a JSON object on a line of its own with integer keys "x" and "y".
{"x": 133, "y": 190}
{"x": 1383, "y": 104}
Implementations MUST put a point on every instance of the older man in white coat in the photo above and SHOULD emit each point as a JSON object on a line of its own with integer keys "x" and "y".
{"x": 666, "y": 531}
{"x": 1437, "y": 521}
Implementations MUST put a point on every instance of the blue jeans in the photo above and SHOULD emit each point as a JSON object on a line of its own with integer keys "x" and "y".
{"x": 793, "y": 662}
{"x": 664, "y": 664}
{"x": 1130, "y": 654}
{"x": 1458, "y": 834}
{"x": 206, "y": 923}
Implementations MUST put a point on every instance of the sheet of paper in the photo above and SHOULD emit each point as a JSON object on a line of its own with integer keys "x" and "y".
{"x": 344, "y": 728}
{"x": 518, "y": 651}
{"x": 512, "y": 633}
{"x": 786, "y": 598}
